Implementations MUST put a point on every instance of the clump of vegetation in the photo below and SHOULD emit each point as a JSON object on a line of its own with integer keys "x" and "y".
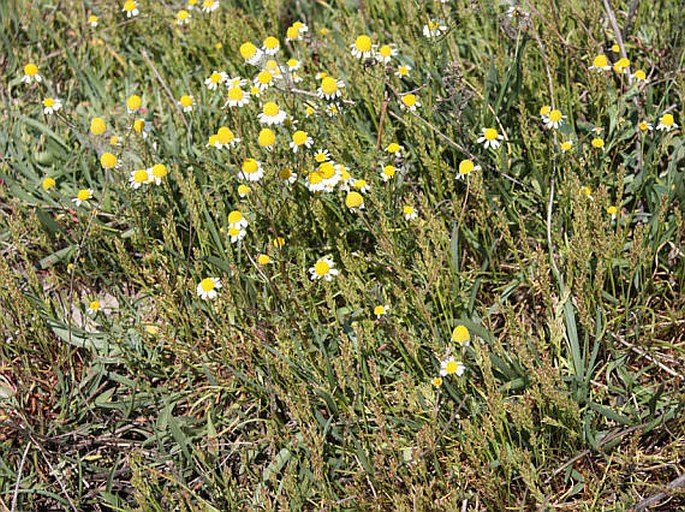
{"x": 350, "y": 255}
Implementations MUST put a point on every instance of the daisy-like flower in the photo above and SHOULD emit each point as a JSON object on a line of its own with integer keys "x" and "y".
{"x": 394, "y": 148}
{"x": 324, "y": 269}
{"x": 330, "y": 88}
{"x": 48, "y": 183}
{"x": 386, "y": 52}
{"x": 93, "y": 21}
{"x": 83, "y": 196}
{"x": 142, "y": 127}
{"x": 31, "y": 74}
{"x": 98, "y": 126}
{"x": 271, "y": 114}
{"x": 225, "y": 138}
{"x": 555, "y": 119}
{"x": 133, "y": 103}
{"x": 645, "y": 126}
{"x": 361, "y": 185}
{"x": 236, "y": 234}
{"x": 621, "y": 65}
{"x": 301, "y": 139}
{"x": 490, "y": 138}
{"x": 330, "y": 175}
{"x": 130, "y": 8}
{"x": 182, "y": 17}
{"x": 51, "y": 105}
{"x": 244, "y": 190}
{"x": 264, "y": 80}
{"x": 271, "y": 45}
{"x": 156, "y": 173}
{"x": 362, "y": 48}
{"x": 346, "y": 179}
{"x": 409, "y": 102}
{"x": 436, "y": 382}
{"x": 315, "y": 181}
{"x": 354, "y": 201}
{"x": 139, "y": 178}
{"x": 388, "y": 172}
{"x": 94, "y": 307}
{"x": 381, "y": 310}
{"x": 409, "y": 212}
{"x": 266, "y": 138}
{"x": 566, "y": 146}
{"x": 235, "y": 81}
{"x": 191, "y": 4}
{"x": 250, "y": 53}
{"x": 640, "y": 76}
{"x": 295, "y": 31}
{"x": 451, "y": 367}
{"x": 434, "y": 28}
{"x": 263, "y": 259}
{"x": 309, "y": 110}
{"x": 544, "y": 113}
{"x": 321, "y": 155}
{"x": 215, "y": 79}
{"x": 237, "y": 97}
{"x": 186, "y": 102}
{"x": 274, "y": 68}
{"x": 287, "y": 175}
{"x": 586, "y": 191}
{"x": 615, "y": 48}
{"x": 598, "y": 143}
{"x": 600, "y": 63}
{"x": 210, "y": 5}
{"x": 108, "y": 161}
{"x": 466, "y": 167}
{"x": 461, "y": 335}
{"x": 402, "y": 71}
{"x": 666, "y": 123}
{"x": 207, "y": 288}
{"x": 251, "y": 170}
{"x": 293, "y": 64}
{"x": 613, "y": 211}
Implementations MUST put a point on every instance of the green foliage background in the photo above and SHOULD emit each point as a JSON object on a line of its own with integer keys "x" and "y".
{"x": 289, "y": 394}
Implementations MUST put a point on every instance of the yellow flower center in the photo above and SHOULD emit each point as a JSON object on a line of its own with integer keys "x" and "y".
{"x": 291, "y": 33}
{"x": 159, "y": 170}
{"x": 265, "y": 77}
{"x": 83, "y": 195}
{"x": 271, "y": 42}
{"x": 640, "y": 75}
{"x": 186, "y": 101}
{"x": 451, "y": 367}
{"x": 207, "y": 284}
{"x": 408, "y": 210}
{"x": 566, "y": 146}
{"x": 597, "y": 142}
{"x": 393, "y": 147}
{"x": 270, "y": 109}
{"x": 389, "y": 170}
{"x": 379, "y": 310}
{"x": 466, "y": 166}
{"x": 182, "y": 15}
{"x": 247, "y": 50}
{"x": 98, "y": 126}
{"x": 409, "y": 100}
{"x": 108, "y": 161}
{"x": 490, "y": 134}
{"x": 354, "y": 200}
{"x": 264, "y": 259}
{"x": 329, "y": 85}
{"x": 48, "y": 102}
{"x": 140, "y": 176}
{"x": 266, "y": 137}
{"x": 224, "y": 135}
{"x": 48, "y": 183}
{"x": 299, "y": 137}
{"x": 95, "y": 305}
{"x": 134, "y": 102}
{"x": 600, "y": 61}
{"x": 461, "y": 334}
{"x": 363, "y": 44}
{"x": 215, "y": 77}
{"x": 667, "y": 120}
{"x": 612, "y": 210}
{"x": 555, "y": 115}
{"x": 233, "y": 231}
{"x": 243, "y": 189}
{"x": 235, "y": 94}
{"x": 138, "y": 125}
{"x": 359, "y": 184}
{"x": 385, "y": 51}
{"x": 279, "y": 242}
{"x": 321, "y": 268}
{"x": 327, "y": 170}
{"x": 129, "y": 6}
{"x": 31, "y": 69}
{"x": 250, "y": 166}
{"x": 314, "y": 177}
{"x": 545, "y": 110}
